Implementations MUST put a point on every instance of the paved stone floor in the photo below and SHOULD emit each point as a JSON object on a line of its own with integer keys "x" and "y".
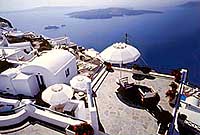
{"x": 120, "y": 119}
{"x": 36, "y": 130}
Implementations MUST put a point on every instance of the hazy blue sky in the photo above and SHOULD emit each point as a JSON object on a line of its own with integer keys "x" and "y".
{"x": 7, "y": 5}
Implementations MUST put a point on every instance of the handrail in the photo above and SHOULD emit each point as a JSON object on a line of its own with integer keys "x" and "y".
{"x": 177, "y": 104}
{"x": 192, "y": 124}
{"x": 102, "y": 80}
{"x": 98, "y": 78}
{"x": 96, "y": 71}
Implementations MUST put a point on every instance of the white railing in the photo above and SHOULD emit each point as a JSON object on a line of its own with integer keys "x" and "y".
{"x": 172, "y": 127}
{"x": 93, "y": 110}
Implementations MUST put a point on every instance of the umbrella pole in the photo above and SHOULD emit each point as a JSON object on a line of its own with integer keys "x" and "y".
{"x": 120, "y": 74}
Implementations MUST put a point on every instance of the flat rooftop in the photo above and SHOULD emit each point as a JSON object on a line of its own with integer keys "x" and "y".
{"x": 118, "y": 118}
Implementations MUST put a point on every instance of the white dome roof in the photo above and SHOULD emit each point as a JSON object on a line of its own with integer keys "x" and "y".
{"x": 52, "y": 60}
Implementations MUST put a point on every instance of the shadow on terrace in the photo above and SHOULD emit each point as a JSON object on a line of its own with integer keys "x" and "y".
{"x": 143, "y": 97}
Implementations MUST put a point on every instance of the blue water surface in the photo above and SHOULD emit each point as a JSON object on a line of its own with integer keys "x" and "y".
{"x": 167, "y": 41}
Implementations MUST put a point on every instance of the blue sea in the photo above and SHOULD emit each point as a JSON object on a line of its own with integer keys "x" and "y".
{"x": 166, "y": 41}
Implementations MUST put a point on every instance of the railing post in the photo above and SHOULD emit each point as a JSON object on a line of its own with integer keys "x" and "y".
{"x": 175, "y": 110}
{"x": 92, "y": 109}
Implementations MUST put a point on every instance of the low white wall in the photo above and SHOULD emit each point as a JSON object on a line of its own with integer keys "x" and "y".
{"x": 13, "y": 118}
{"x": 56, "y": 119}
{"x": 6, "y": 101}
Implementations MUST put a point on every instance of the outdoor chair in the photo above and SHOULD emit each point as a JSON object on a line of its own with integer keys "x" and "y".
{"x": 123, "y": 82}
{"x": 149, "y": 99}
{"x": 162, "y": 128}
{"x": 148, "y": 94}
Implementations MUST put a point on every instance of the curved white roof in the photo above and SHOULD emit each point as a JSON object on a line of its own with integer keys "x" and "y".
{"x": 52, "y": 60}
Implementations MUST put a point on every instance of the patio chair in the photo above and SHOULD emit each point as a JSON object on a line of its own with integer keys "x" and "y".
{"x": 162, "y": 128}
{"x": 148, "y": 94}
{"x": 123, "y": 82}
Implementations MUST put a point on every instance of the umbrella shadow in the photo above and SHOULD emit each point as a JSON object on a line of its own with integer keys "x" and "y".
{"x": 163, "y": 117}
{"x": 39, "y": 101}
{"x": 132, "y": 98}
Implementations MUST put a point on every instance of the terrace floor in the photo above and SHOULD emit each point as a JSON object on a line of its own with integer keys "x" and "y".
{"x": 33, "y": 130}
{"x": 118, "y": 118}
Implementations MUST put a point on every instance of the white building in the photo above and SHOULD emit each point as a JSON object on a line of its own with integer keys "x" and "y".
{"x": 55, "y": 66}
{"x": 60, "y": 41}
{"x": 18, "y": 34}
{"x": 16, "y": 82}
{"x": 14, "y": 55}
{"x": 4, "y": 43}
{"x": 15, "y": 52}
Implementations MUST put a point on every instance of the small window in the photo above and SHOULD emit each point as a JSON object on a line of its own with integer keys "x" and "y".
{"x": 67, "y": 72}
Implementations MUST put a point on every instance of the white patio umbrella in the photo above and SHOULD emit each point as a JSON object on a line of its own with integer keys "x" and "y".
{"x": 120, "y": 53}
{"x": 91, "y": 52}
{"x": 57, "y": 94}
{"x": 79, "y": 83}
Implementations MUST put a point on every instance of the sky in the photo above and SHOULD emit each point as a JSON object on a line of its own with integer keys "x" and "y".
{"x": 12, "y": 5}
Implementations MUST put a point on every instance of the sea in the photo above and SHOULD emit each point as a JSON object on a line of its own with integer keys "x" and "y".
{"x": 170, "y": 40}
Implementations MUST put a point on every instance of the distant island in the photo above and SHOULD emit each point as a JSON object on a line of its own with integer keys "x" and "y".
{"x": 191, "y": 4}
{"x": 51, "y": 27}
{"x": 63, "y": 25}
{"x": 6, "y": 21}
{"x": 108, "y": 13}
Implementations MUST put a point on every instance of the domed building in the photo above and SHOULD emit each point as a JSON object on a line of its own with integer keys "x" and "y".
{"x": 51, "y": 67}
{"x": 55, "y": 66}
